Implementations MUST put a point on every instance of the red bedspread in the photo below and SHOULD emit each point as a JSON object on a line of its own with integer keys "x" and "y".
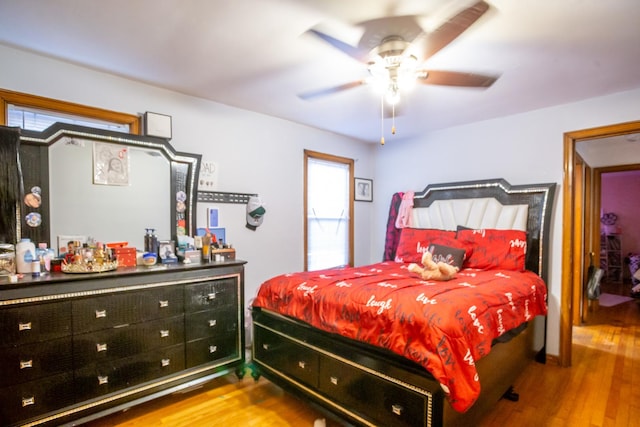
{"x": 444, "y": 326}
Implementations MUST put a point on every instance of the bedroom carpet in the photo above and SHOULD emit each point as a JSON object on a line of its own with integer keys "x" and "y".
{"x": 609, "y": 300}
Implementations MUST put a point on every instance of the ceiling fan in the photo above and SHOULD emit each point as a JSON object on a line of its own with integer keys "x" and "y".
{"x": 394, "y": 48}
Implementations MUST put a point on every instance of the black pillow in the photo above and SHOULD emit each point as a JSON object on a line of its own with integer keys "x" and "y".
{"x": 447, "y": 254}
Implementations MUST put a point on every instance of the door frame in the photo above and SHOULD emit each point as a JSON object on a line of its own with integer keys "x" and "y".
{"x": 579, "y": 227}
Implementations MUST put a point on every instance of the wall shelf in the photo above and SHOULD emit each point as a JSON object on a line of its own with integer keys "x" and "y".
{"x": 611, "y": 256}
{"x": 223, "y": 197}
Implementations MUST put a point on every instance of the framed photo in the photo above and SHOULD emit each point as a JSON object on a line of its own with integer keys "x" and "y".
{"x": 363, "y": 190}
{"x": 167, "y": 250}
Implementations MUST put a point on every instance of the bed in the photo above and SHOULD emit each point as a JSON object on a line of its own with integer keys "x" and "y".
{"x": 378, "y": 345}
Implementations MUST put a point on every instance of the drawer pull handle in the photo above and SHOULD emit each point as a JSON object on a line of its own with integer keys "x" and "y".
{"x": 212, "y": 323}
{"x": 334, "y": 380}
{"x": 397, "y": 409}
{"x": 166, "y": 362}
{"x": 101, "y": 313}
{"x": 266, "y": 346}
{"x": 24, "y": 364}
{"x": 164, "y": 304}
{"x": 101, "y": 347}
{"x": 26, "y": 401}
{"x": 213, "y": 348}
{"x": 211, "y": 296}
{"x": 103, "y": 380}
{"x": 302, "y": 364}
{"x": 164, "y": 333}
{"x": 24, "y": 326}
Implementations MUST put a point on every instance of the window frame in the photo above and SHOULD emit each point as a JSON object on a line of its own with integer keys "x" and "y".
{"x": 54, "y": 105}
{"x": 336, "y": 159}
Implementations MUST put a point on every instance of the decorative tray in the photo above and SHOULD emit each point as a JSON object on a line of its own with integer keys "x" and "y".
{"x": 89, "y": 267}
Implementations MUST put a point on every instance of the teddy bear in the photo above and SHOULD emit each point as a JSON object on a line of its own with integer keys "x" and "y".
{"x": 433, "y": 270}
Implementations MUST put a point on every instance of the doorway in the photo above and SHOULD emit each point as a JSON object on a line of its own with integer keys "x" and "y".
{"x": 581, "y": 232}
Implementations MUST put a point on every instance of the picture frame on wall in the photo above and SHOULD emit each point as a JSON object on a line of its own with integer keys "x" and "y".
{"x": 110, "y": 164}
{"x": 363, "y": 190}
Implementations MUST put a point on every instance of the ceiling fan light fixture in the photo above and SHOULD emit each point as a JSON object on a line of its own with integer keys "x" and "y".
{"x": 393, "y": 68}
{"x": 392, "y": 96}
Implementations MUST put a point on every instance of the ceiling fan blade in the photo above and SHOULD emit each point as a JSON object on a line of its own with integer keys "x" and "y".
{"x": 450, "y": 30}
{"x": 354, "y": 52}
{"x": 455, "y": 78}
{"x": 328, "y": 91}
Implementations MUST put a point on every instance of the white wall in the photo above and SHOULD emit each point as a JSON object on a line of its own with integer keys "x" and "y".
{"x": 254, "y": 154}
{"x": 524, "y": 148}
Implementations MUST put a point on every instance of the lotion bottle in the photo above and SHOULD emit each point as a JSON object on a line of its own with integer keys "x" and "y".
{"x": 25, "y": 252}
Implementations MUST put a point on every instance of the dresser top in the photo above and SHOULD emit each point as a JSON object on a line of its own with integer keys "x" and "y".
{"x": 55, "y": 284}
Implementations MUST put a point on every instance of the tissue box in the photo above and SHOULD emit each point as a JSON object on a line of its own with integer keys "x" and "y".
{"x": 126, "y": 256}
{"x": 226, "y": 254}
{"x": 192, "y": 255}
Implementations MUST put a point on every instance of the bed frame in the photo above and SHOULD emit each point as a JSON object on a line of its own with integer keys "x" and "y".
{"x": 363, "y": 385}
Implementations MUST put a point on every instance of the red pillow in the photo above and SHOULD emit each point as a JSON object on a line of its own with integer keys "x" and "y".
{"x": 415, "y": 241}
{"x": 501, "y": 249}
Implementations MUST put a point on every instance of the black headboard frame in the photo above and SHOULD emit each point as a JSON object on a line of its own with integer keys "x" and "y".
{"x": 539, "y": 198}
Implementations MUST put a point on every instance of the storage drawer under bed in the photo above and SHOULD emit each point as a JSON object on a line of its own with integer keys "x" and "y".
{"x": 381, "y": 400}
{"x": 285, "y": 356}
{"x": 363, "y": 394}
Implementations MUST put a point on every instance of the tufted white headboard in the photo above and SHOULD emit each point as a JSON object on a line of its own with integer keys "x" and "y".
{"x": 478, "y": 213}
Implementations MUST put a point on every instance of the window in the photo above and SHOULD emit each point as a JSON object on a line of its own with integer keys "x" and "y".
{"x": 328, "y": 211}
{"x": 39, "y": 120}
{"x": 37, "y": 113}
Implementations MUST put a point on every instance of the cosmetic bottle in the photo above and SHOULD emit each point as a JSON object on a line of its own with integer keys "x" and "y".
{"x": 206, "y": 248}
{"x": 25, "y": 252}
{"x": 154, "y": 247}
{"x": 44, "y": 255}
{"x": 147, "y": 240}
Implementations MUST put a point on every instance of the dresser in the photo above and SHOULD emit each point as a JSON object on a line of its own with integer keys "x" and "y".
{"x": 74, "y": 347}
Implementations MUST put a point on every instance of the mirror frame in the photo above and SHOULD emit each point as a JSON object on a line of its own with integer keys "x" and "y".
{"x": 34, "y": 161}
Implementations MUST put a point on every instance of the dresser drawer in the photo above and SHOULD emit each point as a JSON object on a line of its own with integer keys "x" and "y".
{"x": 31, "y": 361}
{"x": 378, "y": 399}
{"x": 27, "y": 400}
{"x": 103, "y": 378}
{"x": 33, "y": 323}
{"x": 212, "y": 349}
{"x": 107, "y": 311}
{"x": 285, "y": 356}
{"x": 211, "y": 323}
{"x": 116, "y": 343}
{"x": 214, "y": 294}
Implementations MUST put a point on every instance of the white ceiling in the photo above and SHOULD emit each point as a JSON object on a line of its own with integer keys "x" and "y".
{"x": 257, "y": 54}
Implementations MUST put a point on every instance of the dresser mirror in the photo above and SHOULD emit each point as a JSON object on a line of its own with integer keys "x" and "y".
{"x": 81, "y": 182}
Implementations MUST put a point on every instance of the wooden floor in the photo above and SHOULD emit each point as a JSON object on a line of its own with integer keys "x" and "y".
{"x": 602, "y": 388}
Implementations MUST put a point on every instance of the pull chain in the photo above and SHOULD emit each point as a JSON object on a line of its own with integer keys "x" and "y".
{"x": 382, "y": 120}
{"x": 393, "y": 118}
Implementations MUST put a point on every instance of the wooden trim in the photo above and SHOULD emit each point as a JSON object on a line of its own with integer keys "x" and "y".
{"x": 338, "y": 159}
{"x": 571, "y": 223}
{"x": 34, "y": 101}
{"x": 578, "y": 244}
{"x": 591, "y": 238}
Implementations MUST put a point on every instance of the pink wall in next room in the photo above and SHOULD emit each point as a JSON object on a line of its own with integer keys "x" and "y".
{"x": 621, "y": 195}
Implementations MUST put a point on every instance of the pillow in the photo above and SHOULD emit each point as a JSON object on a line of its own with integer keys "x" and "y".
{"x": 448, "y": 254}
{"x": 415, "y": 241}
{"x": 500, "y": 249}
